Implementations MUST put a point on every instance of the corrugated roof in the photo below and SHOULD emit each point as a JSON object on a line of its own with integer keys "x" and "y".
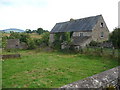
{"x": 84, "y": 24}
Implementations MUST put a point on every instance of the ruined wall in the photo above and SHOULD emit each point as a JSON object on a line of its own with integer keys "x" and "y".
{"x": 10, "y": 56}
{"x": 13, "y": 43}
{"x": 51, "y": 38}
{"x": 109, "y": 78}
{"x": 98, "y": 29}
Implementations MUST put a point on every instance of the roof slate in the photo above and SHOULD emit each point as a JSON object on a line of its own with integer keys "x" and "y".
{"x": 77, "y": 40}
{"x": 84, "y": 24}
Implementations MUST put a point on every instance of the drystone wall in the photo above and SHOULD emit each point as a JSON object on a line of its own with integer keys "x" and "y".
{"x": 107, "y": 79}
{"x": 10, "y": 56}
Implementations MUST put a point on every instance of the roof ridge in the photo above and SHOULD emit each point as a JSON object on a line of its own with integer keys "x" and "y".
{"x": 82, "y": 24}
{"x": 80, "y": 18}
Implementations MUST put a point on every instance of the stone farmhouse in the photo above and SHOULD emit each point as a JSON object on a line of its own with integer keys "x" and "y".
{"x": 83, "y": 30}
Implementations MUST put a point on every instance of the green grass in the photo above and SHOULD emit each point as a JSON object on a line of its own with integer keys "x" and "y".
{"x": 51, "y": 69}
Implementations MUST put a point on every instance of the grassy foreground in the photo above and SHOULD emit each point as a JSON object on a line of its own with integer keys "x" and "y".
{"x": 51, "y": 69}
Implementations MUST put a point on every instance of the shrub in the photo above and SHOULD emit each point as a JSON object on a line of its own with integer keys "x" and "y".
{"x": 45, "y": 38}
{"x": 115, "y": 37}
{"x": 93, "y": 43}
{"x": 31, "y": 44}
{"x": 4, "y": 41}
{"x": 22, "y": 36}
{"x": 61, "y": 37}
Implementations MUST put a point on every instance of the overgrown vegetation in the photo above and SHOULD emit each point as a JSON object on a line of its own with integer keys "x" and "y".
{"x": 32, "y": 43}
{"x": 60, "y": 38}
{"x": 115, "y": 38}
{"x": 94, "y": 43}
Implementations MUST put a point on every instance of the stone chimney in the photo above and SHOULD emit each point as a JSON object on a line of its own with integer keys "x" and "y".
{"x": 72, "y": 19}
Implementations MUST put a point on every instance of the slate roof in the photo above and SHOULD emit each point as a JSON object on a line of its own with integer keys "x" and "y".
{"x": 77, "y": 40}
{"x": 84, "y": 24}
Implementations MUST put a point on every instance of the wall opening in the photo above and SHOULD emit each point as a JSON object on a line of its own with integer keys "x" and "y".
{"x": 101, "y": 24}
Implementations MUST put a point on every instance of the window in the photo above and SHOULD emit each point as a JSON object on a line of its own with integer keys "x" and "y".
{"x": 102, "y": 34}
{"x": 101, "y": 24}
{"x": 81, "y": 34}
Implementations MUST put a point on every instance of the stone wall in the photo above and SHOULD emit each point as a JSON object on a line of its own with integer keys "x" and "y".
{"x": 106, "y": 79}
{"x": 51, "y": 38}
{"x": 10, "y": 56}
{"x": 96, "y": 32}
{"x": 15, "y": 44}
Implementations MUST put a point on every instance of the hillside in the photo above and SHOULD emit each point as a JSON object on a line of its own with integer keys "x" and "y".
{"x": 12, "y": 29}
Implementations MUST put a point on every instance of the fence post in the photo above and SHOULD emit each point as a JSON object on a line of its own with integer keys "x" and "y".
{"x": 101, "y": 50}
{"x": 87, "y": 49}
{"x": 113, "y": 51}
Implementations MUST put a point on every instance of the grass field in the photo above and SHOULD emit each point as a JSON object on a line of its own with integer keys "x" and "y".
{"x": 51, "y": 69}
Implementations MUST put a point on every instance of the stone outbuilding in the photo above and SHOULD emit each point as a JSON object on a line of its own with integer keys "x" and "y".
{"x": 15, "y": 44}
{"x": 83, "y": 30}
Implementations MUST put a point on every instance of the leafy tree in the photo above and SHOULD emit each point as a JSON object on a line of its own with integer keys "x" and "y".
{"x": 40, "y": 31}
{"x": 28, "y": 31}
{"x": 115, "y": 37}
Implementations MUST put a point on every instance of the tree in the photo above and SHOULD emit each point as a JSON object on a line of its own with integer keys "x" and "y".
{"x": 115, "y": 37}
{"x": 28, "y": 31}
{"x": 40, "y": 31}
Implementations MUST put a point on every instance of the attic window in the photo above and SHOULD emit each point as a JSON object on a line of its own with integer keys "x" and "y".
{"x": 101, "y": 24}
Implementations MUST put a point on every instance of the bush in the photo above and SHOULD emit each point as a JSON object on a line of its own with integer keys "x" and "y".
{"x": 22, "y": 36}
{"x": 4, "y": 41}
{"x": 115, "y": 37}
{"x": 45, "y": 38}
{"x": 93, "y": 43}
{"x": 31, "y": 44}
{"x": 60, "y": 38}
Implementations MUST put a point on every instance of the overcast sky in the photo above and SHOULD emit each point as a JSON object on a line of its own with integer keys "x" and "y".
{"x": 32, "y": 14}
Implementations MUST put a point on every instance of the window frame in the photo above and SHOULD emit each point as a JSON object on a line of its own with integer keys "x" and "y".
{"x": 101, "y": 24}
{"x": 81, "y": 34}
{"x": 102, "y": 34}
